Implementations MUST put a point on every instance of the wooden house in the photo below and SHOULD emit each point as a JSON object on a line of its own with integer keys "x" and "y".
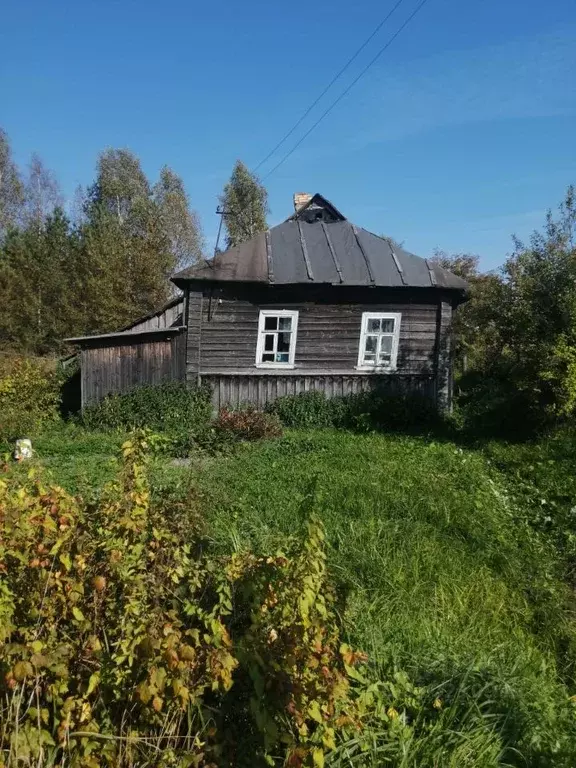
{"x": 315, "y": 303}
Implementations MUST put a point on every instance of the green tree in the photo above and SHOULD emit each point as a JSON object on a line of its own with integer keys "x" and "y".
{"x": 180, "y": 223}
{"x": 539, "y": 312}
{"x": 41, "y": 194}
{"x": 121, "y": 186}
{"x": 126, "y": 251}
{"x": 476, "y": 323}
{"x": 11, "y": 187}
{"x": 245, "y": 203}
{"x": 37, "y": 285}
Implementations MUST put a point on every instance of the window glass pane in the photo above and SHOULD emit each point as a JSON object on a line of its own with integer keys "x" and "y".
{"x": 269, "y": 342}
{"x": 369, "y": 358}
{"x": 285, "y": 323}
{"x": 371, "y": 344}
{"x": 282, "y": 357}
{"x": 270, "y": 323}
{"x": 283, "y": 342}
{"x": 387, "y": 326}
{"x": 385, "y": 350}
{"x": 373, "y": 324}
{"x": 268, "y": 358}
{"x": 386, "y": 344}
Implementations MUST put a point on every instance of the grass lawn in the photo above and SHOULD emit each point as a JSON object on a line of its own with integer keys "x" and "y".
{"x": 440, "y": 570}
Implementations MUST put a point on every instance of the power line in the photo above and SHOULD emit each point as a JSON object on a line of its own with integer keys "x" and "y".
{"x": 330, "y": 84}
{"x": 347, "y": 90}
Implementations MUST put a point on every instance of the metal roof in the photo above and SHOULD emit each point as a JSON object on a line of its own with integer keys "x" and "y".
{"x": 328, "y": 250}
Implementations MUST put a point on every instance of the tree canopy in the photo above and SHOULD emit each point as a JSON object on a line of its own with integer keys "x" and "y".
{"x": 98, "y": 271}
{"x": 245, "y": 205}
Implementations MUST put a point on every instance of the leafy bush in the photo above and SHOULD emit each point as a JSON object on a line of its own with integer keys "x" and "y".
{"x": 122, "y": 642}
{"x": 171, "y": 407}
{"x": 307, "y": 410}
{"x": 362, "y": 411}
{"x": 495, "y": 404}
{"x": 29, "y": 396}
{"x": 247, "y": 424}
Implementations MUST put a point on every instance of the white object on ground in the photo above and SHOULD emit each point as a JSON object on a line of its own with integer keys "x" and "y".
{"x": 23, "y": 449}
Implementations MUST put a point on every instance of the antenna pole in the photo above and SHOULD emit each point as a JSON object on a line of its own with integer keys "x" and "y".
{"x": 220, "y": 212}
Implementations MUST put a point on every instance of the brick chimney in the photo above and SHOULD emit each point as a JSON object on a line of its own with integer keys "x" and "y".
{"x": 300, "y": 200}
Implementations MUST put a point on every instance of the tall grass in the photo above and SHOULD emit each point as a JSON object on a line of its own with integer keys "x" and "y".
{"x": 447, "y": 577}
{"x": 440, "y": 576}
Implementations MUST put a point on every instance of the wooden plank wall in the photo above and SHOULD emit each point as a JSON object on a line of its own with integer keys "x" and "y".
{"x": 165, "y": 319}
{"x": 235, "y": 390}
{"x": 119, "y": 367}
{"x": 444, "y": 379}
{"x": 328, "y": 335}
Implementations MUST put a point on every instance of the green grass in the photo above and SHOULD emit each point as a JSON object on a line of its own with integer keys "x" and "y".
{"x": 440, "y": 575}
{"x": 445, "y": 568}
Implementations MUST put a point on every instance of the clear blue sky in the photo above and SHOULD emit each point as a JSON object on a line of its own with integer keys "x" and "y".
{"x": 462, "y": 134}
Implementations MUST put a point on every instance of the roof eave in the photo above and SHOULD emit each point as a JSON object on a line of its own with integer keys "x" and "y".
{"x": 126, "y": 336}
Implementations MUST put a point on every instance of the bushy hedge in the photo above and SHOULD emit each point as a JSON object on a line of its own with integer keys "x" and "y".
{"x": 123, "y": 642}
{"x": 29, "y": 396}
{"x": 363, "y": 411}
{"x": 172, "y": 407}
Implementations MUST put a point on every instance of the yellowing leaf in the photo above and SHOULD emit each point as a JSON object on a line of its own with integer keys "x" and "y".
{"x": 93, "y": 682}
{"x": 78, "y": 615}
{"x": 314, "y": 712}
{"x": 328, "y": 739}
{"x": 318, "y": 757}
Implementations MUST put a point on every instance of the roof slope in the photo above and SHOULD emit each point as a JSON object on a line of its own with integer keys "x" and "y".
{"x": 329, "y": 250}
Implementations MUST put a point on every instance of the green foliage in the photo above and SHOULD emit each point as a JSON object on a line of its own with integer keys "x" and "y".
{"x": 172, "y": 407}
{"x": 307, "y": 410}
{"x": 99, "y": 273}
{"x": 247, "y": 424}
{"x": 364, "y": 411}
{"x": 104, "y": 622}
{"x": 477, "y": 325}
{"x": 121, "y": 639}
{"x": 180, "y": 223}
{"x": 39, "y": 285}
{"x": 543, "y": 483}
{"x": 441, "y": 576}
{"x": 29, "y": 396}
{"x": 11, "y": 188}
{"x": 245, "y": 202}
{"x": 518, "y": 332}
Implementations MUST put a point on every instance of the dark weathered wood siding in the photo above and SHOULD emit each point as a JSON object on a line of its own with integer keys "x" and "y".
{"x": 261, "y": 388}
{"x": 164, "y": 319}
{"x": 226, "y": 331}
{"x": 112, "y": 367}
{"x": 443, "y": 364}
{"x": 223, "y": 330}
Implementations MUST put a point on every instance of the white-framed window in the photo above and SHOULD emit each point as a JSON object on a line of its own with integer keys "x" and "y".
{"x": 379, "y": 340}
{"x": 276, "y": 338}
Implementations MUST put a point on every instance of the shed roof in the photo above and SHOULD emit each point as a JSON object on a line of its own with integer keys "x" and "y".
{"x": 326, "y": 249}
{"x": 126, "y": 337}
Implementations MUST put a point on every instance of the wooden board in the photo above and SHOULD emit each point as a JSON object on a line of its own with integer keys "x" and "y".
{"x": 260, "y": 389}
{"x": 107, "y": 369}
{"x": 223, "y": 332}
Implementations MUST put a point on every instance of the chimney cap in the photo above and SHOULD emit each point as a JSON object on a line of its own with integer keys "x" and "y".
{"x": 301, "y": 199}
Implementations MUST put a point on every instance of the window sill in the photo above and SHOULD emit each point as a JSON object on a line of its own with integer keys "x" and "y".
{"x": 275, "y": 366}
{"x": 374, "y": 369}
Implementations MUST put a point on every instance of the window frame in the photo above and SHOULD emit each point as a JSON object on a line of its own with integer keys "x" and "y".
{"x": 366, "y": 316}
{"x": 264, "y": 313}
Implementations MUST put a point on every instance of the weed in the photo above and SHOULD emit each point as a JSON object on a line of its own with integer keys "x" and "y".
{"x": 172, "y": 407}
